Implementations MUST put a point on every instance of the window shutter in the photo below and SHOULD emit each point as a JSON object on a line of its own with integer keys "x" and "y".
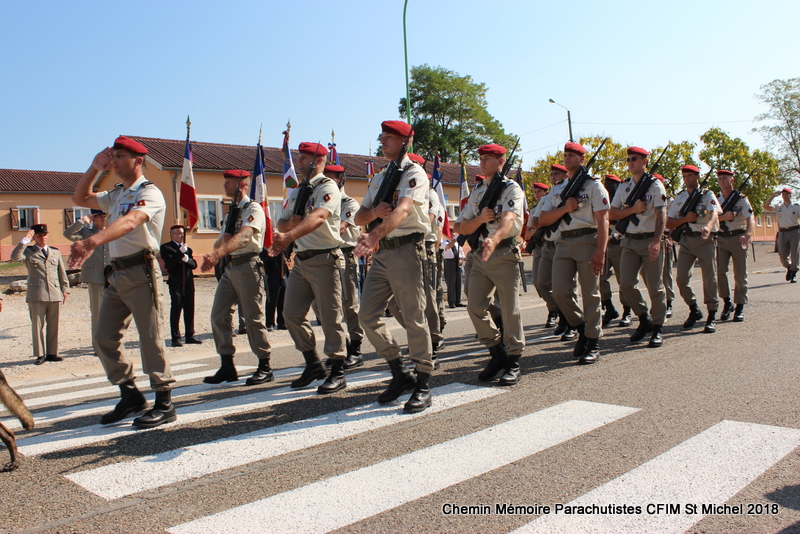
{"x": 69, "y": 217}
{"x": 15, "y": 218}
{"x": 35, "y": 215}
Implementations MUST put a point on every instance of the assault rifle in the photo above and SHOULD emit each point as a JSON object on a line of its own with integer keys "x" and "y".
{"x": 391, "y": 179}
{"x": 301, "y": 196}
{"x": 572, "y": 189}
{"x": 489, "y": 200}
{"x": 690, "y": 205}
{"x": 230, "y": 227}
{"x": 732, "y": 200}
{"x": 638, "y": 192}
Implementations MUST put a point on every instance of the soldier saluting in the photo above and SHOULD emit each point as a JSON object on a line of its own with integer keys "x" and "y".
{"x": 733, "y": 241}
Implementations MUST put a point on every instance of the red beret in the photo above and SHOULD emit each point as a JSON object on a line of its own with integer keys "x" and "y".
{"x": 236, "y": 173}
{"x": 479, "y": 178}
{"x": 126, "y": 143}
{"x": 539, "y": 185}
{"x": 315, "y": 149}
{"x": 495, "y": 150}
{"x": 613, "y": 178}
{"x": 690, "y": 168}
{"x": 574, "y": 147}
{"x": 786, "y": 190}
{"x": 559, "y": 168}
{"x": 416, "y": 158}
{"x": 638, "y": 151}
{"x": 723, "y": 172}
{"x": 334, "y": 168}
{"x": 401, "y": 128}
{"x": 658, "y": 177}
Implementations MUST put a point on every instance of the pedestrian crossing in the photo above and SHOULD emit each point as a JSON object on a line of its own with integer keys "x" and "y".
{"x": 711, "y": 466}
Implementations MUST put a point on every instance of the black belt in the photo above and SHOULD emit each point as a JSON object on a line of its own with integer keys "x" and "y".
{"x": 789, "y": 228}
{"x": 389, "y": 243}
{"x": 731, "y": 233}
{"x": 306, "y": 254}
{"x": 347, "y": 250}
{"x": 694, "y": 234}
{"x": 641, "y": 236}
{"x": 126, "y": 262}
{"x": 579, "y": 232}
{"x": 241, "y": 258}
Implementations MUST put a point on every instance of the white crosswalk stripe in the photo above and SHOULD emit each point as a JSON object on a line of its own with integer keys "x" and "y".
{"x": 388, "y": 484}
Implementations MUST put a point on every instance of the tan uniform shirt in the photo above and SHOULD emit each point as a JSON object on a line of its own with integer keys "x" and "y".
{"x": 537, "y": 212}
{"x": 742, "y": 210}
{"x": 511, "y": 199}
{"x": 591, "y": 198}
{"x": 348, "y": 214}
{"x": 251, "y": 214}
{"x": 144, "y": 196}
{"x": 92, "y": 269}
{"x": 656, "y": 197}
{"x": 788, "y": 216}
{"x": 434, "y": 208}
{"x": 707, "y": 205}
{"x": 414, "y": 185}
{"x": 47, "y": 277}
{"x": 325, "y": 195}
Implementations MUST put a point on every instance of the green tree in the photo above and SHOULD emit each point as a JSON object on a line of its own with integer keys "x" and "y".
{"x": 449, "y": 115}
{"x": 678, "y": 155}
{"x": 783, "y": 131}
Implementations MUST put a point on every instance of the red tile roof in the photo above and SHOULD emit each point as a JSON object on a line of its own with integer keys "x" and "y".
{"x": 13, "y": 180}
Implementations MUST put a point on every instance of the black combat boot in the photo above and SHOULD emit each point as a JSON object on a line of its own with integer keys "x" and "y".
{"x": 669, "y": 309}
{"x": 738, "y": 315}
{"x": 592, "y": 353}
{"x": 163, "y": 412}
{"x": 727, "y": 310}
{"x": 611, "y": 312}
{"x": 511, "y": 375}
{"x": 645, "y": 326}
{"x": 225, "y": 373}
{"x": 353, "y": 358}
{"x": 710, "y": 327}
{"x": 314, "y": 370}
{"x": 793, "y": 277}
{"x": 402, "y": 382}
{"x": 656, "y": 339}
{"x": 694, "y": 315}
{"x": 626, "y": 316}
{"x": 335, "y": 380}
{"x": 131, "y": 401}
{"x": 496, "y": 364}
{"x": 580, "y": 346}
{"x": 562, "y": 327}
{"x": 552, "y": 319}
{"x": 262, "y": 375}
{"x": 421, "y": 398}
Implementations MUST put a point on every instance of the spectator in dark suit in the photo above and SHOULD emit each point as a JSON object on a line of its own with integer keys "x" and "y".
{"x": 180, "y": 265}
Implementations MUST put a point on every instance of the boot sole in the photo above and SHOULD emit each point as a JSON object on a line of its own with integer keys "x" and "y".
{"x": 127, "y": 414}
{"x": 418, "y": 409}
{"x": 251, "y": 382}
{"x": 172, "y": 418}
{"x": 212, "y": 380}
{"x": 326, "y": 391}
{"x": 354, "y": 366}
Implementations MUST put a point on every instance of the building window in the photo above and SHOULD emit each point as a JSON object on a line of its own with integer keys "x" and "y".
{"x": 275, "y": 210}
{"x": 758, "y": 221}
{"x": 769, "y": 221}
{"x": 453, "y": 211}
{"x": 210, "y": 214}
{"x": 23, "y": 217}
{"x": 80, "y": 213}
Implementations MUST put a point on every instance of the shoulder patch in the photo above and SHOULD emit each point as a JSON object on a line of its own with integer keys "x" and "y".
{"x": 250, "y": 218}
{"x": 140, "y": 203}
{"x": 326, "y": 198}
{"x": 412, "y": 182}
{"x": 713, "y": 202}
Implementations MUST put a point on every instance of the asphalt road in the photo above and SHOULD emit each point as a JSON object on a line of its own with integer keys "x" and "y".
{"x": 701, "y": 435}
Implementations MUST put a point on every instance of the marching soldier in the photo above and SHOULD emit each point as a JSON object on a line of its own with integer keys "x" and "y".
{"x": 697, "y": 244}
{"x": 349, "y": 233}
{"x": 789, "y": 231}
{"x": 539, "y": 191}
{"x": 93, "y": 270}
{"x": 241, "y": 280}
{"x": 180, "y": 265}
{"x": 642, "y": 247}
{"x": 397, "y": 269}
{"x": 733, "y": 241}
{"x": 581, "y": 249}
{"x": 317, "y": 272}
{"x": 668, "y": 246}
{"x": 613, "y": 256}
{"x": 495, "y": 267}
{"x": 47, "y": 291}
{"x": 136, "y": 211}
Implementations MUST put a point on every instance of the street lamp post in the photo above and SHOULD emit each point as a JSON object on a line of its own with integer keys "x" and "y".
{"x": 569, "y": 119}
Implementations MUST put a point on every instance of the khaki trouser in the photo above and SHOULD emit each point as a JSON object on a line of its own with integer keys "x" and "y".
{"x": 635, "y": 258}
{"x": 439, "y": 254}
{"x": 499, "y": 276}
{"x": 542, "y": 274}
{"x": 397, "y": 272}
{"x": 573, "y": 256}
{"x": 431, "y": 305}
{"x": 788, "y": 248}
{"x": 705, "y": 250}
{"x": 129, "y": 294}
{"x": 669, "y": 286}
{"x": 44, "y": 316}
{"x": 613, "y": 262}
{"x": 317, "y": 278}
{"x": 95, "y": 298}
{"x": 730, "y": 248}
{"x": 494, "y": 306}
{"x": 242, "y": 284}
{"x": 350, "y": 300}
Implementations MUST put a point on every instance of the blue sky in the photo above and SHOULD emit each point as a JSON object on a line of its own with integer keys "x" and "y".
{"x": 78, "y": 73}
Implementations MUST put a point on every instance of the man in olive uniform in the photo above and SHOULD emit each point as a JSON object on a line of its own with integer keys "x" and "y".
{"x": 789, "y": 231}
{"x": 613, "y": 256}
{"x": 180, "y": 264}
{"x": 47, "y": 291}
{"x": 317, "y": 271}
{"x": 581, "y": 249}
{"x": 697, "y": 244}
{"x": 495, "y": 267}
{"x": 241, "y": 281}
{"x": 733, "y": 242}
{"x": 642, "y": 248}
{"x": 136, "y": 210}
{"x": 399, "y": 229}
{"x": 349, "y": 232}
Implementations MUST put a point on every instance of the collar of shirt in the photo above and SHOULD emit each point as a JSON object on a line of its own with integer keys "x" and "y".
{"x": 245, "y": 199}
{"x": 137, "y": 184}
